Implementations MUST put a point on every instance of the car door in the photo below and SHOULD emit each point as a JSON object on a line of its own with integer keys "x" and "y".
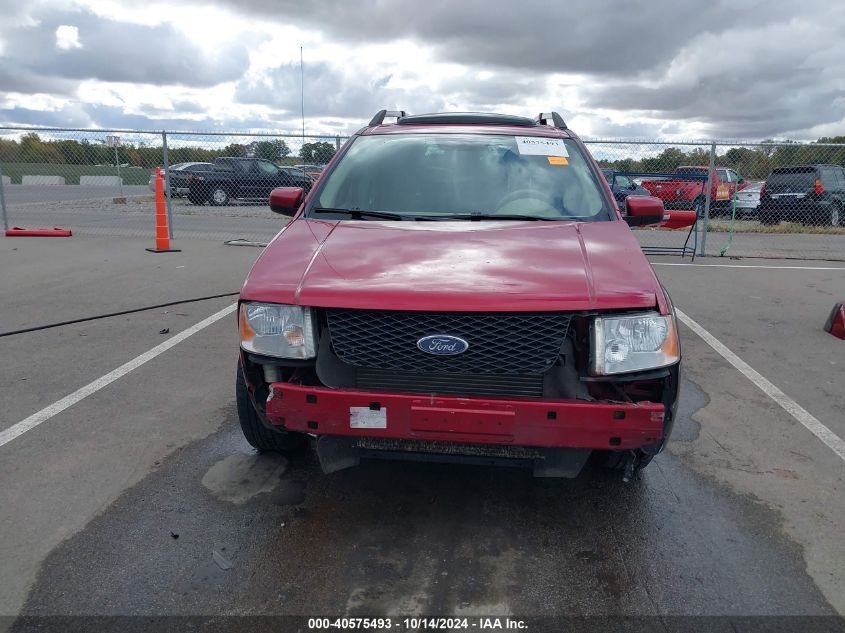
{"x": 723, "y": 190}
{"x": 733, "y": 182}
{"x": 840, "y": 193}
{"x": 268, "y": 176}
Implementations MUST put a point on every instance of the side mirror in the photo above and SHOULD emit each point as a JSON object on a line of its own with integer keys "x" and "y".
{"x": 286, "y": 200}
{"x": 643, "y": 210}
{"x": 741, "y": 181}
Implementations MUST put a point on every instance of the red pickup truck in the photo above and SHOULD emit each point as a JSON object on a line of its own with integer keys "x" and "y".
{"x": 691, "y": 194}
{"x": 459, "y": 287}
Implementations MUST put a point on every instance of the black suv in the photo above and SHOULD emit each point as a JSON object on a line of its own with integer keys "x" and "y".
{"x": 250, "y": 179}
{"x": 811, "y": 194}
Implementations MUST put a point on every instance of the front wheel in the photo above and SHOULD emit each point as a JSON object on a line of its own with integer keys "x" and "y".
{"x": 617, "y": 460}
{"x": 254, "y": 430}
{"x": 219, "y": 197}
{"x": 835, "y": 218}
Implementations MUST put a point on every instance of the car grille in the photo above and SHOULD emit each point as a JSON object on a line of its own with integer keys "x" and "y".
{"x": 526, "y": 386}
{"x": 500, "y": 344}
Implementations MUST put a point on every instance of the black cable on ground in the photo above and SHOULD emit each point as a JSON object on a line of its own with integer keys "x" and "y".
{"x": 114, "y": 314}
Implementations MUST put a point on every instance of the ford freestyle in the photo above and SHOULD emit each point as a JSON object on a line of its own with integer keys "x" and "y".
{"x": 459, "y": 287}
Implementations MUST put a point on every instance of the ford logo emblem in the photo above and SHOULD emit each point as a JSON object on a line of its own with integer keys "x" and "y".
{"x": 442, "y": 345}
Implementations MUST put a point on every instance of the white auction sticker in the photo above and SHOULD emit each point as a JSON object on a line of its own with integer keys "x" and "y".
{"x": 367, "y": 418}
{"x": 541, "y": 146}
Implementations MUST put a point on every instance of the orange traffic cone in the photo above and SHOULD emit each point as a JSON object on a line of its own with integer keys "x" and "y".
{"x": 162, "y": 233}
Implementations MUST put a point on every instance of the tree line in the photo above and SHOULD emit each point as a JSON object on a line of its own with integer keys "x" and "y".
{"x": 31, "y": 148}
{"x": 750, "y": 162}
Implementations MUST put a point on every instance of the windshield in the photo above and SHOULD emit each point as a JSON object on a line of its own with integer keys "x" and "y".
{"x": 430, "y": 176}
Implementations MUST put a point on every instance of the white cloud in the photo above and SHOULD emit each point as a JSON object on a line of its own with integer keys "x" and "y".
{"x": 67, "y": 37}
{"x": 741, "y": 68}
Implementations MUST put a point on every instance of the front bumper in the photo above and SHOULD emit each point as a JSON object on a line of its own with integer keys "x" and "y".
{"x": 537, "y": 423}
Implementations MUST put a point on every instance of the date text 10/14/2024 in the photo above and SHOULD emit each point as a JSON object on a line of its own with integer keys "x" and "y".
{"x": 418, "y": 624}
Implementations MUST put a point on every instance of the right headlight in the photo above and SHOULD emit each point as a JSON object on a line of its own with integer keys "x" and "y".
{"x": 273, "y": 329}
{"x": 635, "y": 342}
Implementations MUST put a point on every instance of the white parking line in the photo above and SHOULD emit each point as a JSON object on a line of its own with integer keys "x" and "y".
{"x": 57, "y": 407}
{"x": 833, "y": 441}
{"x": 749, "y": 266}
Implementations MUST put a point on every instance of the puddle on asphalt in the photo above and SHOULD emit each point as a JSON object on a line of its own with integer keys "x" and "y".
{"x": 238, "y": 478}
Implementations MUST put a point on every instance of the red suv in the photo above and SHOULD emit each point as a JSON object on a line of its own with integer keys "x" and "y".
{"x": 459, "y": 287}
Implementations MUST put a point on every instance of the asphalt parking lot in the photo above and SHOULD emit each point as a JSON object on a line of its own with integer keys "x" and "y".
{"x": 116, "y": 500}
{"x": 89, "y": 211}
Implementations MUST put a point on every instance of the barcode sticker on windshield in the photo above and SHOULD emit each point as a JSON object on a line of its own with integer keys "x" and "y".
{"x": 540, "y": 146}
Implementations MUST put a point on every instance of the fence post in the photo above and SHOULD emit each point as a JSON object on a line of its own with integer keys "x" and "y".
{"x": 167, "y": 183}
{"x": 3, "y": 201}
{"x": 710, "y": 169}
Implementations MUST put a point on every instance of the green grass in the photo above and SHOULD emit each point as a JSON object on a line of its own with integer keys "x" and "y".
{"x": 749, "y": 226}
{"x": 71, "y": 173}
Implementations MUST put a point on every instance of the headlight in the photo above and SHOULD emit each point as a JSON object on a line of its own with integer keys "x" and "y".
{"x": 633, "y": 343}
{"x": 277, "y": 330}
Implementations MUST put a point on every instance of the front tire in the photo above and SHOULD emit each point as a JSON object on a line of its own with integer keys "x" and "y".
{"x": 219, "y": 197}
{"x": 615, "y": 460}
{"x": 254, "y": 430}
{"x": 835, "y": 217}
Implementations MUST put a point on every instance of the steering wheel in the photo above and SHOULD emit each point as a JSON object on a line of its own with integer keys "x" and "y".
{"x": 520, "y": 195}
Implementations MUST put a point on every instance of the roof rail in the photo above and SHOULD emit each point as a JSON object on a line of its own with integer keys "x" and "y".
{"x": 378, "y": 119}
{"x": 551, "y": 118}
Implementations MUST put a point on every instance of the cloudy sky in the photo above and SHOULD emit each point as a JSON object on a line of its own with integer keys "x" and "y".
{"x": 673, "y": 69}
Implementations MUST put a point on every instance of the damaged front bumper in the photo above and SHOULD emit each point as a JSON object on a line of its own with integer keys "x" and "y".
{"x": 554, "y": 436}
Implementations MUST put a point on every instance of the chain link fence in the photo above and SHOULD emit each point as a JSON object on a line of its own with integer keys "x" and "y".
{"x": 781, "y": 200}
{"x": 752, "y": 199}
{"x": 102, "y": 182}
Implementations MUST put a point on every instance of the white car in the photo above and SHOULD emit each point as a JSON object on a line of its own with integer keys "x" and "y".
{"x": 747, "y": 200}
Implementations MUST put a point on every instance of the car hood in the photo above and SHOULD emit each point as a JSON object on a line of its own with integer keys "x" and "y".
{"x": 455, "y": 266}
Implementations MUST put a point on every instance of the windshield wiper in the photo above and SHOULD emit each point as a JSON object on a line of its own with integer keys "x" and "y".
{"x": 493, "y": 216}
{"x": 358, "y": 214}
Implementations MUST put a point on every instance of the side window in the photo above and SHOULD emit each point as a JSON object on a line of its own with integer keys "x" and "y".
{"x": 828, "y": 178}
{"x": 732, "y": 176}
{"x": 841, "y": 172}
{"x": 266, "y": 169}
{"x": 722, "y": 174}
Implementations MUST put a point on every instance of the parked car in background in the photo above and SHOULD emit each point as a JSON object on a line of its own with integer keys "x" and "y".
{"x": 456, "y": 287}
{"x": 313, "y": 171}
{"x": 179, "y": 174}
{"x": 296, "y": 172}
{"x": 249, "y": 179}
{"x": 747, "y": 200}
{"x": 691, "y": 194}
{"x": 810, "y": 194}
{"x": 622, "y": 187}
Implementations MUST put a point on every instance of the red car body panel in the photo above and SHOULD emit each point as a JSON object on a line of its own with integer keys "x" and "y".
{"x": 575, "y": 424}
{"x": 456, "y": 266}
{"x": 682, "y": 193}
